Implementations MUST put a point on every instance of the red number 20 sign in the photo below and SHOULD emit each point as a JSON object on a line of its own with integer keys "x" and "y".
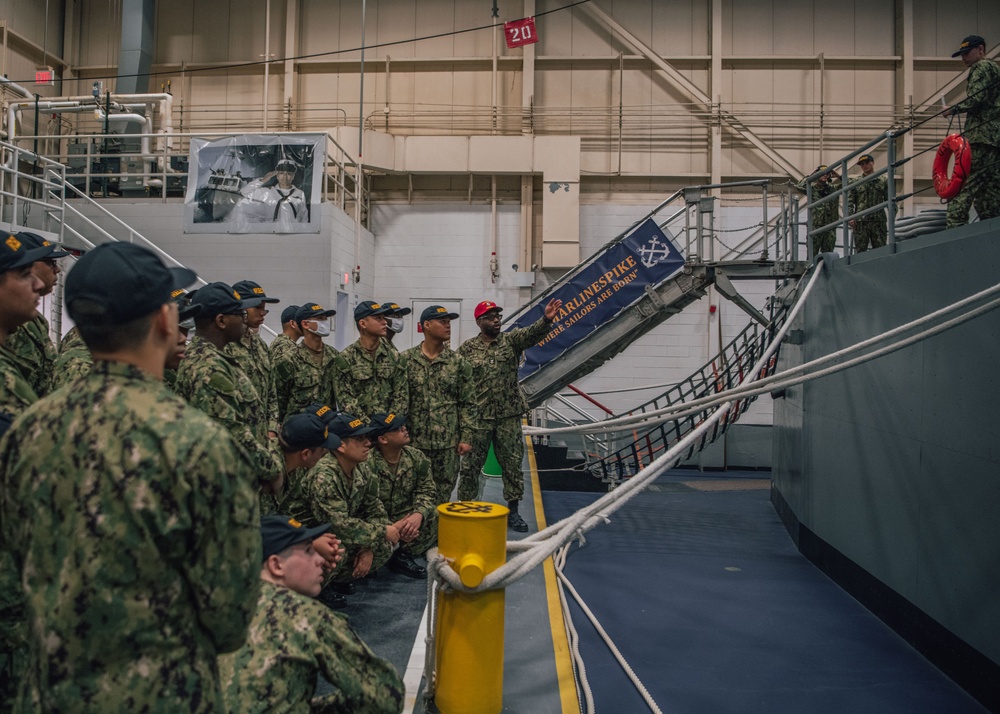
{"x": 520, "y": 32}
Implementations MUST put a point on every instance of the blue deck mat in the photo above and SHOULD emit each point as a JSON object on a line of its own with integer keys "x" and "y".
{"x": 716, "y": 611}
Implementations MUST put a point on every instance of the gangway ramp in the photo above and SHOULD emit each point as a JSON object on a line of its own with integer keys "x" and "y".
{"x": 633, "y": 284}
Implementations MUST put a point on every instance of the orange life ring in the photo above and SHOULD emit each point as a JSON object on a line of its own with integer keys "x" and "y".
{"x": 953, "y": 144}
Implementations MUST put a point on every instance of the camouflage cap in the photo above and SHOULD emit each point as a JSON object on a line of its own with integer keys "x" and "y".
{"x": 279, "y": 533}
{"x": 308, "y": 431}
{"x": 14, "y": 253}
{"x": 119, "y": 282}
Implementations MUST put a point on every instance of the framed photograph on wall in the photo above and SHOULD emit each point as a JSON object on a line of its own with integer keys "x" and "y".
{"x": 255, "y": 183}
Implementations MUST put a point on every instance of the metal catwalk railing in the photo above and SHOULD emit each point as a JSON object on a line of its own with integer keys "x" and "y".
{"x": 726, "y": 370}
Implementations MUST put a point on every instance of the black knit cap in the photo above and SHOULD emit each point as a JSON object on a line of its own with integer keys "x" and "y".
{"x": 119, "y": 282}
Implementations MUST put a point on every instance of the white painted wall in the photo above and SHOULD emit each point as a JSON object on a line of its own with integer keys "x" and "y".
{"x": 294, "y": 267}
{"x": 441, "y": 251}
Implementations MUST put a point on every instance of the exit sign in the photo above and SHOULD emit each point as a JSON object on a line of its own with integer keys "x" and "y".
{"x": 45, "y": 76}
{"x": 520, "y": 32}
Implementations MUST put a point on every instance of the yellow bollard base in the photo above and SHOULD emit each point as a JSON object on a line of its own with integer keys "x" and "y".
{"x": 470, "y": 626}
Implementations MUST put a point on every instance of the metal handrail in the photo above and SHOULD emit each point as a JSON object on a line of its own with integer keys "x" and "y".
{"x": 343, "y": 176}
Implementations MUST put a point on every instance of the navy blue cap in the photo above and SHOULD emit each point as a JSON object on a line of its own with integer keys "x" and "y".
{"x": 308, "y": 431}
{"x": 220, "y": 299}
{"x": 345, "y": 425}
{"x": 14, "y": 253}
{"x": 369, "y": 308}
{"x": 385, "y": 422}
{"x": 288, "y": 314}
{"x": 279, "y": 533}
{"x": 396, "y": 310}
{"x": 248, "y": 289}
{"x": 118, "y": 282}
{"x": 33, "y": 240}
{"x": 968, "y": 44}
{"x": 436, "y": 312}
{"x": 321, "y": 410}
{"x": 312, "y": 311}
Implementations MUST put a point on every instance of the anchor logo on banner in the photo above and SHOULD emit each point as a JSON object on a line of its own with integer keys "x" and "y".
{"x": 653, "y": 252}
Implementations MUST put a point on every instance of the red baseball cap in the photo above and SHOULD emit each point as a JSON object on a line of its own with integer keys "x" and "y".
{"x": 485, "y": 306}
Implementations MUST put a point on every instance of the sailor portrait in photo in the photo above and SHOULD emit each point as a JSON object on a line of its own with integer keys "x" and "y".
{"x": 274, "y": 198}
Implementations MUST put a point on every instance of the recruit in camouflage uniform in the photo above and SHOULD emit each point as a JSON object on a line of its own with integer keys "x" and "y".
{"x": 500, "y": 405}
{"x": 825, "y": 213}
{"x": 137, "y": 570}
{"x": 253, "y": 357}
{"x": 982, "y": 130}
{"x": 16, "y": 395}
{"x": 20, "y": 291}
{"x": 409, "y": 488}
{"x": 280, "y": 346}
{"x": 252, "y": 353}
{"x": 303, "y": 377}
{"x": 292, "y": 637}
{"x": 31, "y": 342}
{"x": 74, "y": 360}
{"x": 869, "y": 231}
{"x": 351, "y": 504}
{"x": 441, "y": 411}
{"x": 214, "y": 382}
{"x": 370, "y": 384}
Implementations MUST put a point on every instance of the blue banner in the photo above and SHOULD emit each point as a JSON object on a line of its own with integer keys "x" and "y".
{"x": 601, "y": 290}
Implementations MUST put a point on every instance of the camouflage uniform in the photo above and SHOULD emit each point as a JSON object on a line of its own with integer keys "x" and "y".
{"x": 214, "y": 382}
{"x": 74, "y": 360}
{"x": 500, "y": 404}
{"x": 130, "y": 518}
{"x": 252, "y": 355}
{"x": 292, "y": 638}
{"x": 824, "y": 214}
{"x": 281, "y": 346}
{"x": 303, "y": 377}
{"x": 16, "y": 395}
{"x": 410, "y": 489}
{"x": 441, "y": 411}
{"x": 32, "y": 343}
{"x": 369, "y": 385}
{"x": 352, "y": 505}
{"x": 982, "y": 131}
{"x": 870, "y": 231}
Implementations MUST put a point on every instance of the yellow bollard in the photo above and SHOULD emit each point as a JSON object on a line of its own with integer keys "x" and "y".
{"x": 469, "y": 640}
